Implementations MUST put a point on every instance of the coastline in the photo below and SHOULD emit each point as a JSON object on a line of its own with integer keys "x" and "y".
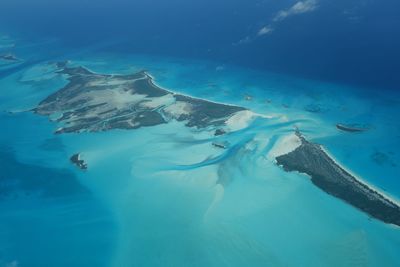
{"x": 153, "y": 82}
{"x": 362, "y": 181}
{"x": 327, "y": 174}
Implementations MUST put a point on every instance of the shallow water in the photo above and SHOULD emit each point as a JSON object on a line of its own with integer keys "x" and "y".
{"x": 164, "y": 196}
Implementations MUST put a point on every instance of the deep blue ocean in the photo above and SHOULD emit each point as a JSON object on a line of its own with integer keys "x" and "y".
{"x": 346, "y": 41}
{"x": 150, "y": 196}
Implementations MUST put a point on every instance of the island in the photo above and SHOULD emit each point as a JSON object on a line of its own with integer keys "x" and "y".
{"x": 93, "y": 102}
{"x": 350, "y": 128}
{"x": 325, "y": 173}
{"x": 222, "y": 145}
{"x": 98, "y": 102}
{"x": 76, "y": 159}
{"x": 219, "y": 132}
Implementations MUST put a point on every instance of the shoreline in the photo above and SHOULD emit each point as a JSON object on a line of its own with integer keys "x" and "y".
{"x": 329, "y": 175}
{"x": 362, "y": 181}
{"x": 153, "y": 82}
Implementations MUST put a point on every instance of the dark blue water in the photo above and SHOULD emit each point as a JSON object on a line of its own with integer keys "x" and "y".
{"x": 343, "y": 41}
{"x": 45, "y": 209}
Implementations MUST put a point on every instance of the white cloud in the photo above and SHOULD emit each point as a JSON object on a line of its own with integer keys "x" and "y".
{"x": 243, "y": 41}
{"x": 265, "y": 30}
{"x": 298, "y": 8}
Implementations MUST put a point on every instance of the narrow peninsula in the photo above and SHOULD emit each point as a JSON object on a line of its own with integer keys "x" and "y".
{"x": 325, "y": 173}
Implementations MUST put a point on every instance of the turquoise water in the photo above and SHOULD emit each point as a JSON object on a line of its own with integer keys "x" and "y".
{"x": 151, "y": 196}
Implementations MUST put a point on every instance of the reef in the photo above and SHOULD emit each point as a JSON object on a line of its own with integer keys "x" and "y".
{"x": 314, "y": 108}
{"x": 8, "y": 57}
{"x": 325, "y": 173}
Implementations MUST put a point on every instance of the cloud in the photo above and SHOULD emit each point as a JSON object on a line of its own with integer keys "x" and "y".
{"x": 265, "y": 30}
{"x": 245, "y": 40}
{"x": 300, "y": 7}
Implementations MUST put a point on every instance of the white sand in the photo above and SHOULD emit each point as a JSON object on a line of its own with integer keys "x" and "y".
{"x": 179, "y": 108}
{"x": 362, "y": 181}
{"x": 155, "y": 102}
{"x": 116, "y": 98}
{"x": 113, "y": 81}
{"x": 240, "y": 120}
{"x": 153, "y": 79}
{"x": 284, "y": 145}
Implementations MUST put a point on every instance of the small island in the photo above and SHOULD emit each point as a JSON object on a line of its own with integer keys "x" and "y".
{"x": 350, "y": 128}
{"x": 222, "y": 145}
{"x": 76, "y": 159}
{"x": 219, "y": 132}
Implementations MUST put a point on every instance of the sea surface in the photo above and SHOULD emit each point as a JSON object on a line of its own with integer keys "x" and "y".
{"x": 150, "y": 196}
